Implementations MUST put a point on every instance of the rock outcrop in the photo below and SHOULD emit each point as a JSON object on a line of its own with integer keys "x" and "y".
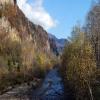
{"x": 3, "y": 2}
{"x": 25, "y": 29}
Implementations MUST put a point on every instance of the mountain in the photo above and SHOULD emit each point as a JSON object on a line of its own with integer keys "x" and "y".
{"x": 14, "y": 18}
{"x": 19, "y": 28}
{"x": 58, "y": 44}
{"x": 53, "y": 45}
{"x": 26, "y": 49}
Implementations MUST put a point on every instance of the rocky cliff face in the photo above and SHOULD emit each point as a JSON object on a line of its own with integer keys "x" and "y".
{"x": 53, "y": 46}
{"x": 13, "y": 17}
{"x": 20, "y": 28}
{"x": 4, "y": 2}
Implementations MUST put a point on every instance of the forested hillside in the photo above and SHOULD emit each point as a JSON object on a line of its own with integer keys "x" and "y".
{"x": 81, "y": 58}
{"x": 25, "y": 50}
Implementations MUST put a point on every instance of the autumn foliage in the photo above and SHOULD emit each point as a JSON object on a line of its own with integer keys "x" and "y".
{"x": 79, "y": 66}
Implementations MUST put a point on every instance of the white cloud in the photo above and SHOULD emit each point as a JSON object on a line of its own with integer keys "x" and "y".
{"x": 36, "y": 13}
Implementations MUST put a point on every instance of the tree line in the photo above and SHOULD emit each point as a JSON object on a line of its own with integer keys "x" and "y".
{"x": 81, "y": 58}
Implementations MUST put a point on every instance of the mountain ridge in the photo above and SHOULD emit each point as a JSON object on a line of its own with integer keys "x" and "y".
{"x": 27, "y": 30}
{"x": 59, "y": 43}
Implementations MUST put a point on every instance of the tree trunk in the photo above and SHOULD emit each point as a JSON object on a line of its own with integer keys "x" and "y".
{"x": 90, "y": 91}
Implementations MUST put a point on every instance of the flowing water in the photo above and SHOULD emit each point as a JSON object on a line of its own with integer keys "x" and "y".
{"x": 52, "y": 87}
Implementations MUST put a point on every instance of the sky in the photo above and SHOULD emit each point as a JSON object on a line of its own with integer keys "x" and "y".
{"x": 56, "y": 16}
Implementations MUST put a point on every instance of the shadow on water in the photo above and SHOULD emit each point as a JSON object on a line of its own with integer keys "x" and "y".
{"x": 51, "y": 89}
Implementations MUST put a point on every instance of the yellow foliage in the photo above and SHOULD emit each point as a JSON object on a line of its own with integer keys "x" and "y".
{"x": 79, "y": 65}
{"x": 14, "y": 35}
{"x": 27, "y": 54}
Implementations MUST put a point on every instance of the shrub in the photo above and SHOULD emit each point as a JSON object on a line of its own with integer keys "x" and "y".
{"x": 79, "y": 67}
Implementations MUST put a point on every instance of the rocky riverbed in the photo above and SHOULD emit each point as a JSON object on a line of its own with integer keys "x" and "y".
{"x": 52, "y": 88}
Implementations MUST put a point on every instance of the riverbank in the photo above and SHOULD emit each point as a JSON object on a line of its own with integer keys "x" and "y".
{"x": 52, "y": 87}
{"x": 20, "y": 92}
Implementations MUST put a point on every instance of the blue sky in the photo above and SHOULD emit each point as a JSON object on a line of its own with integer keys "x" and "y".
{"x": 56, "y": 16}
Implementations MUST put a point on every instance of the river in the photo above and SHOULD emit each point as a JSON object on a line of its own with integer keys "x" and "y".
{"x": 51, "y": 89}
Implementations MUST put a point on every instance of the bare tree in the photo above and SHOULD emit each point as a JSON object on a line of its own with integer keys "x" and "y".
{"x": 93, "y": 29}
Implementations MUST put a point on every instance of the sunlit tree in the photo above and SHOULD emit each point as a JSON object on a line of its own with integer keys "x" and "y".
{"x": 79, "y": 62}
